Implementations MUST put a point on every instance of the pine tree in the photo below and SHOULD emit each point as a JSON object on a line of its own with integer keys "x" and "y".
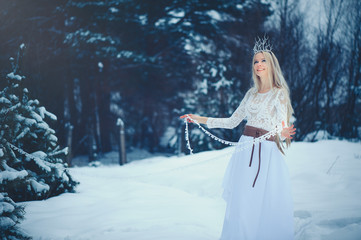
{"x": 10, "y": 215}
{"x": 32, "y": 162}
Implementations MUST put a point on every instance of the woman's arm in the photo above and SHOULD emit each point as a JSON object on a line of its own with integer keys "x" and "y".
{"x": 199, "y": 119}
{"x": 281, "y": 111}
{"x": 231, "y": 122}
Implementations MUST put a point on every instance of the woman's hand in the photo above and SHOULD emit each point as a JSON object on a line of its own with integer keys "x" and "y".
{"x": 287, "y": 132}
{"x": 199, "y": 119}
{"x": 188, "y": 120}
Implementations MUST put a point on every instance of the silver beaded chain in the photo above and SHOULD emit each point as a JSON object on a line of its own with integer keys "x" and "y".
{"x": 240, "y": 146}
{"x": 187, "y": 135}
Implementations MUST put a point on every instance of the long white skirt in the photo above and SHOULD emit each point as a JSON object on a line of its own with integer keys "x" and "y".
{"x": 262, "y": 212}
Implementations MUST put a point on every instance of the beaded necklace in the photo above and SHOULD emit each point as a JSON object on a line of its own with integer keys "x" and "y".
{"x": 240, "y": 146}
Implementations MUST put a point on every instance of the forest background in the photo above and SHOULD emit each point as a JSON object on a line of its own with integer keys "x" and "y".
{"x": 148, "y": 62}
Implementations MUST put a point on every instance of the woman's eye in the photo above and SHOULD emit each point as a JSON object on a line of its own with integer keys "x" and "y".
{"x": 255, "y": 62}
{"x": 264, "y": 60}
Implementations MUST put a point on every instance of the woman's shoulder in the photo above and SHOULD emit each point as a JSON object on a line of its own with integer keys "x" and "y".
{"x": 275, "y": 91}
{"x": 252, "y": 90}
{"x": 279, "y": 91}
{"x": 280, "y": 94}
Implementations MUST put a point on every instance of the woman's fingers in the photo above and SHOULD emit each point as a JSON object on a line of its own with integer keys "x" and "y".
{"x": 293, "y": 131}
{"x": 287, "y": 132}
{"x": 188, "y": 119}
{"x": 186, "y": 115}
{"x": 290, "y": 132}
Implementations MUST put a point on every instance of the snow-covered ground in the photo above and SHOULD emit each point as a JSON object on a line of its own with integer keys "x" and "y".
{"x": 179, "y": 198}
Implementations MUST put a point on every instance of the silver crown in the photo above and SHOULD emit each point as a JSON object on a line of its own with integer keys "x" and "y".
{"x": 262, "y": 45}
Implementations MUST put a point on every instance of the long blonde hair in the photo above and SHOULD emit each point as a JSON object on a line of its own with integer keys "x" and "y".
{"x": 276, "y": 79}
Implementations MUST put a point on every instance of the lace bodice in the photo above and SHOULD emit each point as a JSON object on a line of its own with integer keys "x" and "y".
{"x": 261, "y": 110}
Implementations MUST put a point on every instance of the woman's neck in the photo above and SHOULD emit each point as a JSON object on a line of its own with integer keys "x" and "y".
{"x": 265, "y": 86}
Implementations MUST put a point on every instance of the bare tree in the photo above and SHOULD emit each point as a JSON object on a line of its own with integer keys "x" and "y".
{"x": 295, "y": 57}
{"x": 321, "y": 65}
{"x": 352, "y": 47}
{"x": 328, "y": 70}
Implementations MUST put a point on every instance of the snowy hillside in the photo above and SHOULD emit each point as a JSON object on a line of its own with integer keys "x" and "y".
{"x": 179, "y": 198}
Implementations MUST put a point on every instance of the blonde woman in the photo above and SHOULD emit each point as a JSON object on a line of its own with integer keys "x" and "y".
{"x": 256, "y": 182}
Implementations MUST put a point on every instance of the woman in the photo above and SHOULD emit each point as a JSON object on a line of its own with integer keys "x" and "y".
{"x": 256, "y": 182}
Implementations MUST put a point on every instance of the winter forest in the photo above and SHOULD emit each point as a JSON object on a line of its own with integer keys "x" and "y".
{"x": 84, "y": 81}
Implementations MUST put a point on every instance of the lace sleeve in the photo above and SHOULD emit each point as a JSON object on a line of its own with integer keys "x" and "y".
{"x": 232, "y": 121}
{"x": 281, "y": 111}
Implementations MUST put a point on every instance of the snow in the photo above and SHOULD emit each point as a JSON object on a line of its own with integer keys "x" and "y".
{"x": 120, "y": 122}
{"x": 43, "y": 112}
{"x": 169, "y": 137}
{"x": 10, "y": 176}
{"x": 6, "y": 208}
{"x": 239, "y": 6}
{"x": 15, "y": 99}
{"x": 53, "y": 138}
{"x": 14, "y": 76}
{"x": 180, "y": 197}
{"x": 174, "y": 17}
{"x": 29, "y": 121}
{"x": 4, "y": 100}
{"x": 36, "y": 116}
{"x": 39, "y": 154}
{"x": 222, "y": 83}
{"x": 23, "y": 133}
{"x": 143, "y": 19}
{"x": 39, "y": 187}
{"x": 33, "y": 102}
{"x": 177, "y": 13}
{"x": 113, "y": 10}
{"x": 214, "y": 14}
{"x": 87, "y": 3}
{"x": 213, "y": 72}
{"x": 173, "y": 21}
{"x": 317, "y": 135}
{"x": 62, "y": 151}
{"x": 40, "y": 162}
{"x": 160, "y": 22}
{"x": 86, "y": 36}
{"x": 188, "y": 46}
{"x": 46, "y": 127}
{"x": 6, "y": 222}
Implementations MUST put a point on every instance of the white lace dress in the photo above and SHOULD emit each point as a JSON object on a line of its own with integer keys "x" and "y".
{"x": 265, "y": 211}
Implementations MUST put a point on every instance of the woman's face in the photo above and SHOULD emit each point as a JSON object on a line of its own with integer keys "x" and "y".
{"x": 260, "y": 65}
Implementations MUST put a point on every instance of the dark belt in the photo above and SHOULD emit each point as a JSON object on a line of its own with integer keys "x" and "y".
{"x": 255, "y": 133}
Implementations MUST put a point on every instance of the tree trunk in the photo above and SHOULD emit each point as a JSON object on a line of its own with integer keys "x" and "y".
{"x": 122, "y": 149}
{"x": 69, "y": 138}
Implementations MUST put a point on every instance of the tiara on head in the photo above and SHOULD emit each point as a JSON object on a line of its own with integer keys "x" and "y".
{"x": 262, "y": 45}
